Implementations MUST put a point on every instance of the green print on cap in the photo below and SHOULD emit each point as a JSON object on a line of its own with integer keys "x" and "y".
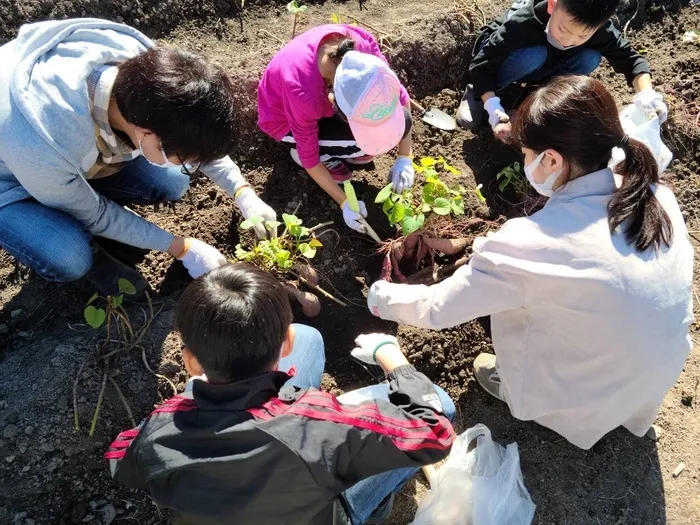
{"x": 380, "y": 111}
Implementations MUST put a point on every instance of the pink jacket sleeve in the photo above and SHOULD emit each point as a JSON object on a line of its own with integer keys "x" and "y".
{"x": 304, "y": 125}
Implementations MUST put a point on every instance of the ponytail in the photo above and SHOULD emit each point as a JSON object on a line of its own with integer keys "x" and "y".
{"x": 345, "y": 45}
{"x": 648, "y": 223}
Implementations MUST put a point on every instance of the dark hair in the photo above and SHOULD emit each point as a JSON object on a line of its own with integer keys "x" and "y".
{"x": 180, "y": 97}
{"x": 577, "y": 116}
{"x": 590, "y": 13}
{"x": 345, "y": 45}
{"x": 234, "y": 320}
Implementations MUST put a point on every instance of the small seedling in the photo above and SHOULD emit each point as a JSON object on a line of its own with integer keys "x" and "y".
{"x": 108, "y": 311}
{"x": 286, "y": 254}
{"x": 512, "y": 176}
{"x": 408, "y": 212}
{"x": 297, "y": 10}
{"x": 280, "y": 252}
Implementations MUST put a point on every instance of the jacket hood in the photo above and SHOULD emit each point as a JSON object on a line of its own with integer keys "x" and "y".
{"x": 49, "y": 81}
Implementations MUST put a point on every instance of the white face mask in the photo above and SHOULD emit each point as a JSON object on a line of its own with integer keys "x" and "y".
{"x": 166, "y": 164}
{"x": 553, "y": 41}
{"x": 543, "y": 188}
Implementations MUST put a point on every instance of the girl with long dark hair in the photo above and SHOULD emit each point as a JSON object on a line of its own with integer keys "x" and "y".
{"x": 590, "y": 298}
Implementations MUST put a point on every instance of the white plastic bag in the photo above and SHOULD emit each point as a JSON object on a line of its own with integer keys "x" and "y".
{"x": 479, "y": 484}
{"x": 638, "y": 126}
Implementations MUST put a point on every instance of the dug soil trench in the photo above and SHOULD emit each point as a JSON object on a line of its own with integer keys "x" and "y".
{"x": 49, "y": 473}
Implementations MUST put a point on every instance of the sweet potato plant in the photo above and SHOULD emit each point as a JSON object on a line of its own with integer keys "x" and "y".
{"x": 417, "y": 213}
{"x": 287, "y": 255}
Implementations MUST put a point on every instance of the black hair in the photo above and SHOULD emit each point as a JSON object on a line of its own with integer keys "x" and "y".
{"x": 577, "y": 116}
{"x": 234, "y": 320}
{"x": 590, "y": 13}
{"x": 345, "y": 45}
{"x": 186, "y": 101}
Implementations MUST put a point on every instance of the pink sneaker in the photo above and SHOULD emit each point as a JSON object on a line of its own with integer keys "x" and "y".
{"x": 364, "y": 159}
{"x": 339, "y": 171}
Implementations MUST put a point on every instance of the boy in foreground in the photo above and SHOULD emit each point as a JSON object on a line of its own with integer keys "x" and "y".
{"x": 536, "y": 40}
{"x": 253, "y": 441}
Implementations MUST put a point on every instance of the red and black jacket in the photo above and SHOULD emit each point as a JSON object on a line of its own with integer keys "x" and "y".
{"x": 251, "y": 454}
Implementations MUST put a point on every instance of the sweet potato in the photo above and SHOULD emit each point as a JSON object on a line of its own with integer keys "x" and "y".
{"x": 310, "y": 304}
{"x": 307, "y": 272}
{"x": 446, "y": 246}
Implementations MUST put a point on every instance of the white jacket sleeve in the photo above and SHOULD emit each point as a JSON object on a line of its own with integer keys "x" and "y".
{"x": 225, "y": 173}
{"x": 482, "y": 288}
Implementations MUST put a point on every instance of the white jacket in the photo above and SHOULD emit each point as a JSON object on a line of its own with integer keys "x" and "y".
{"x": 589, "y": 333}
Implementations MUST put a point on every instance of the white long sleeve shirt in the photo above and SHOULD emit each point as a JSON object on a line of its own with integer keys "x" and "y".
{"x": 589, "y": 333}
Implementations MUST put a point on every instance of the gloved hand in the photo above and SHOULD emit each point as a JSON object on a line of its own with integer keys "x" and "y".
{"x": 652, "y": 102}
{"x": 497, "y": 115}
{"x": 368, "y": 344}
{"x": 402, "y": 174}
{"x": 252, "y": 206}
{"x": 200, "y": 258}
{"x": 498, "y": 119}
{"x": 352, "y": 218}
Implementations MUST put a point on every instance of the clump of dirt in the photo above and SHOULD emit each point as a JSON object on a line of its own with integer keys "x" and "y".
{"x": 51, "y": 474}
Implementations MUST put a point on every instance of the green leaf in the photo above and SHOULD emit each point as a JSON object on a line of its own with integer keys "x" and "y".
{"x": 417, "y": 168}
{"x": 250, "y": 223}
{"x": 243, "y": 255}
{"x": 315, "y": 243}
{"x": 441, "y": 206}
{"x": 387, "y": 206}
{"x": 286, "y": 264}
{"x": 427, "y": 162}
{"x": 383, "y": 194}
{"x": 117, "y": 301}
{"x": 92, "y": 299}
{"x": 412, "y": 224}
{"x": 425, "y": 208}
{"x": 281, "y": 256}
{"x": 306, "y": 250}
{"x": 503, "y": 185}
{"x": 291, "y": 220}
{"x": 125, "y": 287}
{"x": 272, "y": 225}
{"x": 295, "y": 230}
{"x": 398, "y": 213}
{"x": 95, "y": 317}
{"x": 429, "y": 193}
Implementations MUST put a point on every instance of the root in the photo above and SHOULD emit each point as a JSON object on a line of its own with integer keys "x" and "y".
{"x": 317, "y": 289}
{"x": 124, "y": 402}
{"x": 159, "y": 376}
{"x": 76, "y": 421}
{"x": 100, "y": 399}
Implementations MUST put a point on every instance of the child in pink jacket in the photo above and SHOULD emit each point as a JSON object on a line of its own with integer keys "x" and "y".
{"x": 330, "y": 95}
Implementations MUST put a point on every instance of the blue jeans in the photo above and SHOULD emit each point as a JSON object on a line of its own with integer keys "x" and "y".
{"x": 529, "y": 65}
{"x": 308, "y": 360}
{"x": 56, "y": 245}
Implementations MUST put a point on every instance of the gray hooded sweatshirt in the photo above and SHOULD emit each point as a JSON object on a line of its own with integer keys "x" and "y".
{"x": 47, "y": 134}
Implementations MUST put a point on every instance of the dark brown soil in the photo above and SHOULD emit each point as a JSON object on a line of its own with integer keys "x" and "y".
{"x": 51, "y": 474}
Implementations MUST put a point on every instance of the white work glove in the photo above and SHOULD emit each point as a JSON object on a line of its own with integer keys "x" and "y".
{"x": 652, "y": 102}
{"x": 251, "y": 205}
{"x": 402, "y": 174}
{"x": 200, "y": 258}
{"x": 497, "y": 115}
{"x": 352, "y": 218}
{"x": 368, "y": 344}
